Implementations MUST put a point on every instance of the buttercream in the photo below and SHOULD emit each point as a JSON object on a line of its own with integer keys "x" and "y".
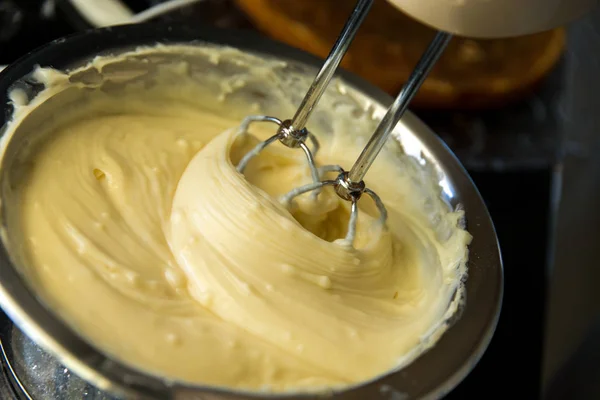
{"x": 134, "y": 226}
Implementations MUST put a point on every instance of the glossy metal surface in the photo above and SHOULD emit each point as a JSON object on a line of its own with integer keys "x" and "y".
{"x": 494, "y": 18}
{"x": 430, "y": 376}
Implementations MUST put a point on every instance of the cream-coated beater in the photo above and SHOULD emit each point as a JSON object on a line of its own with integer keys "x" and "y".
{"x": 348, "y": 185}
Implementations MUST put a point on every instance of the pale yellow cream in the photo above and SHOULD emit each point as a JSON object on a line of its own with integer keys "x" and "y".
{"x": 136, "y": 228}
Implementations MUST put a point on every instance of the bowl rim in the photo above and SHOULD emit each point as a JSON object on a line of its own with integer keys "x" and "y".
{"x": 472, "y": 331}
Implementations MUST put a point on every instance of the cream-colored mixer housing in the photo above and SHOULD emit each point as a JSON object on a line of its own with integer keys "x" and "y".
{"x": 494, "y": 18}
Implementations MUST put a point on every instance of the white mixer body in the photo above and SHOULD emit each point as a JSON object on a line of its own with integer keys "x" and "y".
{"x": 494, "y": 18}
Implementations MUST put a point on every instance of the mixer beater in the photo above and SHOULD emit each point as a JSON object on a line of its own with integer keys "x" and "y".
{"x": 348, "y": 185}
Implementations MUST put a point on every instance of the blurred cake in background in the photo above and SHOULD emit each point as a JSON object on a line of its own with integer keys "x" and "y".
{"x": 470, "y": 74}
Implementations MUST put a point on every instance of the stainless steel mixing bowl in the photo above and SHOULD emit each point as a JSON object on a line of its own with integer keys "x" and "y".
{"x": 430, "y": 376}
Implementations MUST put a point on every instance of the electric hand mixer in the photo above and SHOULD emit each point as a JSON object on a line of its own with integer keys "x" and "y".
{"x": 470, "y": 17}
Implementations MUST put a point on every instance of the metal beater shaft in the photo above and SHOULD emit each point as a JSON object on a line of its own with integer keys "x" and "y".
{"x": 331, "y": 64}
{"x": 397, "y": 109}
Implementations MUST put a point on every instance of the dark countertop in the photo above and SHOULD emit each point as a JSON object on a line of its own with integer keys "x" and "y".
{"x": 511, "y": 365}
{"x": 572, "y": 347}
